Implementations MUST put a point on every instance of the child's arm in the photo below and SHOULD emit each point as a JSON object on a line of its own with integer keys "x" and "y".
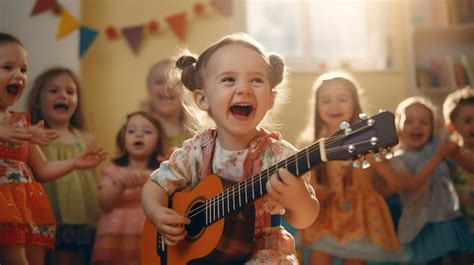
{"x": 44, "y": 170}
{"x": 168, "y": 222}
{"x": 296, "y": 196}
{"x": 396, "y": 179}
{"x": 465, "y": 160}
{"x": 40, "y": 135}
{"x": 114, "y": 183}
{"x": 13, "y": 134}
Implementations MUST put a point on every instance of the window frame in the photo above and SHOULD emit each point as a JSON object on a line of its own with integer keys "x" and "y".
{"x": 306, "y": 64}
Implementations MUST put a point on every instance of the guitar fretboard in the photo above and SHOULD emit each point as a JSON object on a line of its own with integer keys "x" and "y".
{"x": 239, "y": 195}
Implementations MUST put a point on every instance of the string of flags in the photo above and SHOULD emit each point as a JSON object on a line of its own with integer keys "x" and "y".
{"x": 133, "y": 34}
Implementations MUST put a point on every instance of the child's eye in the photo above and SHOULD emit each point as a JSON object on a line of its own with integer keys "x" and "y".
{"x": 257, "y": 81}
{"x": 131, "y": 130}
{"x": 24, "y": 70}
{"x": 148, "y": 131}
{"x": 53, "y": 90}
{"x": 70, "y": 91}
{"x": 228, "y": 80}
{"x": 7, "y": 67}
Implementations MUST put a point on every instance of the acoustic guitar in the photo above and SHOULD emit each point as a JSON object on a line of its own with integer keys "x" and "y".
{"x": 222, "y": 213}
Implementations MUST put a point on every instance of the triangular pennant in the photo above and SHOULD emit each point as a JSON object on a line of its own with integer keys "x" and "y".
{"x": 134, "y": 36}
{"x": 41, "y": 6}
{"x": 178, "y": 25}
{"x": 67, "y": 24}
{"x": 86, "y": 38}
{"x": 223, "y": 6}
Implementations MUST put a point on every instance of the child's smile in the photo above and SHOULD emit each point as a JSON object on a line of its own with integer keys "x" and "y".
{"x": 417, "y": 127}
{"x": 236, "y": 93}
{"x": 12, "y": 74}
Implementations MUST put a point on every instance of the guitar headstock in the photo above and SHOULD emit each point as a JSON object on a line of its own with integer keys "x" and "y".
{"x": 370, "y": 134}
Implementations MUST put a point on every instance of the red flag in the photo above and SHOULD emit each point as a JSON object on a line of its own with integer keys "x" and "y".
{"x": 178, "y": 25}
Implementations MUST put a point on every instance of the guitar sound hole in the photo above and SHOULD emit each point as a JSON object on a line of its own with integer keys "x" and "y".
{"x": 198, "y": 220}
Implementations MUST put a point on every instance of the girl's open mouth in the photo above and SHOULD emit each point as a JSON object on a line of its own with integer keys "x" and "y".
{"x": 241, "y": 110}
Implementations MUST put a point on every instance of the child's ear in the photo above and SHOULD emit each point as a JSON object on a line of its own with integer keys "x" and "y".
{"x": 200, "y": 99}
{"x": 273, "y": 94}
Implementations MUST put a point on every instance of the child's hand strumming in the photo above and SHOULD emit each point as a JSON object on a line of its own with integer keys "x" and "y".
{"x": 90, "y": 158}
{"x": 170, "y": 225}
{"x": 41, "y": 135}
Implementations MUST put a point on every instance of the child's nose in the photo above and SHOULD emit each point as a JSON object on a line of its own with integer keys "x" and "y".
{"x": 244, "y": 89}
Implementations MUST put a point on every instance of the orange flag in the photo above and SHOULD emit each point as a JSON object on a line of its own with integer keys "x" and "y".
{"x": 178, "y": 25}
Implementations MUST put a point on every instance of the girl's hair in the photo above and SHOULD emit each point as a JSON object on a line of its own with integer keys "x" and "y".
{"x": 315, "y": 125}
{"x": 454, "y": 101}
{"x": 171, "y": 85}
{"x": 123, "y": 159}
{"x": 400, "y": 112}
{"x": 77, "y": 119}
{"x": 5, "y": 37}
{"x": 191, "y": 74}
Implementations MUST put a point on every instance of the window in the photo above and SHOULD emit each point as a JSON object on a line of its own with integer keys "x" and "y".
{"x": 316, "y": 35}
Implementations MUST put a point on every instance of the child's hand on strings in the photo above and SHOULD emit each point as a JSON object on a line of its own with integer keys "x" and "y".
{"x": 287, "y": 189}
{"x": 90, "y": 158}
{"x": 14, "y": 134}
{"x": 41, "y": 135}
{"x": 170, "y": 225}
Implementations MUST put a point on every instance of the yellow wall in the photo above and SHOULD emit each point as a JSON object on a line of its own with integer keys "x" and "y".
{"x": 113, "y": 78}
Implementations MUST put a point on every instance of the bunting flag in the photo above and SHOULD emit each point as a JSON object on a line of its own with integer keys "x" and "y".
{"x": 41, "y": 6}
{"x": 178, "y": 25}
{"x": 134, "y": 36}
{"x": 86, "y": 37}
{"x": 223, "y": 6}
{"x": 67, "y": 24}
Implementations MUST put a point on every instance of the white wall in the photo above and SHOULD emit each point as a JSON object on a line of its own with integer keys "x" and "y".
{"x": 38, "y": 35}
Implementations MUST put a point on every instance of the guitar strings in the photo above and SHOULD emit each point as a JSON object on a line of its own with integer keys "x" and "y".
{"x": 218, "y": 200}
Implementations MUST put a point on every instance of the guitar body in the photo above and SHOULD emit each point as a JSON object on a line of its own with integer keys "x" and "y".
{"x": 227, "y": 241}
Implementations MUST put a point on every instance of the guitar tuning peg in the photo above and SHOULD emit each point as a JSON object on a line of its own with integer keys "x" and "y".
{"x": 356, "y": 164}
{"x": 346, "y": 127}
{"x": 365, "y": 164}
{"x": 381, "y": 110}
{"x": 362, "y": 116}
{"x": 377, "y": 157}
{"x": 388, "y": 155}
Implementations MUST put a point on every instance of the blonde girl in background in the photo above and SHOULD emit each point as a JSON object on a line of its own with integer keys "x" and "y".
{"x": 166, "y": 104}
{"x": 236, "y": 83}
{"x": 27, "y": 223}
{"x": 55, "y": 97}
{"x": 354, "y": 222}
{"x": 139, "y": 141}
{"x": 431, "y": 223}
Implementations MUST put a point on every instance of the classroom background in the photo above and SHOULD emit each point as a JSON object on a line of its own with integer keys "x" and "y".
{"x": 417, "y": 47}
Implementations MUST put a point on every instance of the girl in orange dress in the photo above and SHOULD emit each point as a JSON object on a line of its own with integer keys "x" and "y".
{"x": 354, "y": 222}
{"x": 27, "y": 224}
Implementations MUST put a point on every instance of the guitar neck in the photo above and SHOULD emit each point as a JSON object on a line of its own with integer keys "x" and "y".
{"x": 234, "y": 198}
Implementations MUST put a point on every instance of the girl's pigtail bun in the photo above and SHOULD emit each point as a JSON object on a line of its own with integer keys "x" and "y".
{"x": 189, "y": 77}
{"x": 277, "y": 69}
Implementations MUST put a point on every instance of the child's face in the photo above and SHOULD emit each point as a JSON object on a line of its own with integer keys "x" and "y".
{"x": 464, "y": 124}
{"x": 236, "y": 90}
{"x": 141, "y": 137}
{"x": 165, "y": 101}
{"x": 335, "y": 104}
{"x": 417, "y": 127}
{"x": 13, "y": 68}
{"x": 58, "y": 99}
